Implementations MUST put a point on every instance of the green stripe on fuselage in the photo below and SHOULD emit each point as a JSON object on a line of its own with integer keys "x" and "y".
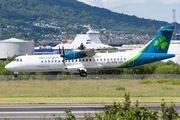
{"x": 132, "y": 59}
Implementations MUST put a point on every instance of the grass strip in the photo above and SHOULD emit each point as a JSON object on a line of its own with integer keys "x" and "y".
{"x": 85, "y": 100}
{"x": 86, "y": 91}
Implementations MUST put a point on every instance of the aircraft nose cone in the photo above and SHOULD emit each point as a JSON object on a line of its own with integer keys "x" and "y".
{"x": 7, "y": 67}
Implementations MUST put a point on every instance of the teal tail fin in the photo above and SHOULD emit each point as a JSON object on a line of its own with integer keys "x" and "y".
{"x": 160, "y": 43}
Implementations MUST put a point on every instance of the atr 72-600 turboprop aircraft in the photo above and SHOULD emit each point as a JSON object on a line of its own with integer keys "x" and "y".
{"x": 87, "y": 60}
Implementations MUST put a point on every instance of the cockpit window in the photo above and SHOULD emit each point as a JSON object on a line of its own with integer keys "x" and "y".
{"x": 17, "y": 60}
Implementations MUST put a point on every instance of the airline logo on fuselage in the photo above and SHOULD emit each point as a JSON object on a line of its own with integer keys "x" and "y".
{"x": 49, "y": 57}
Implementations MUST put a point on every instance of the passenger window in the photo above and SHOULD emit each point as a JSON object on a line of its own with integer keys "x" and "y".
{"x": 52, "y": 61}
{"x": 121, "y": 59}
{"x": 87, "y": 60}
{"x": 79, "y": 60}
{"x": 76, "y": 60}
{"x": 42, "y": 61}
{"x": 17, "y": 60}
{"x": 72, "y": 60}
{"x": 20, "y": 59}
{"x": 124, "y": 58}
{"x": 117, "y": 58}
{"x": 14, "y": 60}
{"x": 100, "y": 59}
{"x": 114, "y": 58}
{"x": 58, "y": 60}
{"x": 111, "y": 59}
{"x": 104, "y": 59}
{"x": 96, "y": 59}
{"x": 93, "y": 59}
{"x": 48, "y": 61}
{"x": 45, "y": 61}
{"x": 69, "y": 60}
{"x": 108, "y": 59}
{"x": 55, "y": 60}
{"x": 83, "y": 60}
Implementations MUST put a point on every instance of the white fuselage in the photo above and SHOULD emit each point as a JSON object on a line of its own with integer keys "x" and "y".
{"x": 38, "y": 63}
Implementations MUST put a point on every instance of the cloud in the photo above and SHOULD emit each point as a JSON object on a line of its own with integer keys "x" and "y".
{"x": 152, "y": 9}
{"x": 115, "y": 3}
{"x": 90, "y": 2}
{"x": 170, "y": 2}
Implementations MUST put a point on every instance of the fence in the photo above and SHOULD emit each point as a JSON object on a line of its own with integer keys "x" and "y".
{"x": 89, "y": 77}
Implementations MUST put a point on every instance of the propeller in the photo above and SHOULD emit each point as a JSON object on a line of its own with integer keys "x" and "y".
{"x": 59, "y": 50}
{"x": 63, "y": 55}
{"x": 74, "y": 53}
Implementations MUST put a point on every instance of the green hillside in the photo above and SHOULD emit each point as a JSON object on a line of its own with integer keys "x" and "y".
{"x": 70, "y": 12}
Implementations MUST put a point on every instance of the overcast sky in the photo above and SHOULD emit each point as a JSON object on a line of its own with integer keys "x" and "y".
{"x": 151, "y": 9}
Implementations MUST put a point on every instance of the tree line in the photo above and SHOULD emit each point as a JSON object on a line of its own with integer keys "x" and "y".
{"x": 69, "y": 12}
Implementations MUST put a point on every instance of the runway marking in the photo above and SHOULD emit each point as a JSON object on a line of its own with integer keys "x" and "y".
{"x": 53, "y": 107}
{"x": 38, "y": 117}
{"x": 38, "y": 112}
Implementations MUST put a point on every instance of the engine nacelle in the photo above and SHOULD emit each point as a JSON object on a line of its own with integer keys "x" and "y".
{"x": 79, "y": 54}
{"x": 74, "y": 55}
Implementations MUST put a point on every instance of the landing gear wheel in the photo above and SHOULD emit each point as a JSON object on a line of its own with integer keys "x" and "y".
{"x": 83, "y": 73}
{"x": 15, "y": 76}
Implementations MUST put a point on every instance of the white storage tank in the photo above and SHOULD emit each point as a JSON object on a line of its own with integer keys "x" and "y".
{"x": 14, "y": 46}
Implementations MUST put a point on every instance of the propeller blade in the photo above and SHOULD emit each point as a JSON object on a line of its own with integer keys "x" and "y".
{"x": 63, "y": 55}
{"x": 63, "y": 50}
{"x": 74, "y": 53}
{"x": 64, "y": 60}
{"x": 59, "y": 50}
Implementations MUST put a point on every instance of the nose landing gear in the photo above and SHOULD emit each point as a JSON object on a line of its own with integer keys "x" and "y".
{"x": 15, "y": 75}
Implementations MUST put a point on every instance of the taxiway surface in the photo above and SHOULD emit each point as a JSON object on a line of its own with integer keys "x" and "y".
{"x": 36, "y": 111}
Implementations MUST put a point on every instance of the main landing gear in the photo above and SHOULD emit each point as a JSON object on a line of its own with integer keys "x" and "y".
{"x": 15, "y": 75}
{"x": 82, "y": 73}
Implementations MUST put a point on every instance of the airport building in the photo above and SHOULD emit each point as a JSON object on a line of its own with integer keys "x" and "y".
{"x": 174, "y": 48}
{"x": 129, "y": 47}
{"x": 14, "y": 46}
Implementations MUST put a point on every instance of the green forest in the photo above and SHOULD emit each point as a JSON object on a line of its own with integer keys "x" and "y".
{"x": 69, "y": 12}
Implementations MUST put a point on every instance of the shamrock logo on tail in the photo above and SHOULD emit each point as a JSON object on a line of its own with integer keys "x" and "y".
{"x": 160, "y": 43}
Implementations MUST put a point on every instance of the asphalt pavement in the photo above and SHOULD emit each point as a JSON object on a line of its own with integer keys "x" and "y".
{"x": 36, "y": 111}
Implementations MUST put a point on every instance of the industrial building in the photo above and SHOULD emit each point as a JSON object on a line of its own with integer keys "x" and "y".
{"x": 174, "y": 48}
{"x": 129, "y": 47}
{"x": 14, "y": 46}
